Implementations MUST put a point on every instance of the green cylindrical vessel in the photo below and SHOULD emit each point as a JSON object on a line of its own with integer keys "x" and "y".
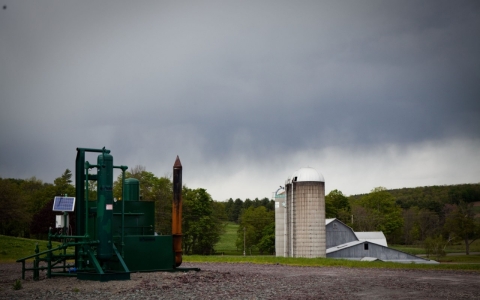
{"x": 132, "y": 189}
{"x": 105, "y": 206}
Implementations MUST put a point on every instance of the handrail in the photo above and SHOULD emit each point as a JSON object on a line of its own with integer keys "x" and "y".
{"x": 63, "y": 246}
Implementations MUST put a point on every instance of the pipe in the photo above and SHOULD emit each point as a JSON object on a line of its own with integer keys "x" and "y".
{"x": 285, "y": 224}
{"x": 80, "y": 194}
{"x": 291, "y": 221}
{"x": 177, "y": 212}
{"x": 123, "y": 168}
{"x": 87, "y": 166}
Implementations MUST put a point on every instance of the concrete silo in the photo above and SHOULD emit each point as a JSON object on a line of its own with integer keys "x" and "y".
{"x": 280, "y": 220}
{"x": 305, "y": 214}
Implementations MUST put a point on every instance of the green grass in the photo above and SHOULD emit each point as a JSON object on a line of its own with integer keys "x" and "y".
{"x": 326, "y": 262}
{"x": 13, "y": 248}
{"x": 412, "y": 249}
{"x": 226, "y": 245}
{"x": 453, "y": 248}
{"x": 461, "y": 259}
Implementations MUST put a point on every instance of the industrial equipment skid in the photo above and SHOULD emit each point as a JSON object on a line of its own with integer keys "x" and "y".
{"x": 113, "y": 238}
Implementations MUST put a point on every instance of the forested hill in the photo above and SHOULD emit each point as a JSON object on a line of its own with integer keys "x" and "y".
{"x": 433, "y": 197}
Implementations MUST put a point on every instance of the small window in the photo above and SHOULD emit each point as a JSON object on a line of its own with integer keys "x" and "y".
{"x": 365, "y": 246}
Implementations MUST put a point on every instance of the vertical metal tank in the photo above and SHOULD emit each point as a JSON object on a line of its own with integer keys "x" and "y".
{"x": 104, "y": 206}
{"x": 280, "y": 229}
{"x": 132, "y": 189}
{"x": 305, "y": 220}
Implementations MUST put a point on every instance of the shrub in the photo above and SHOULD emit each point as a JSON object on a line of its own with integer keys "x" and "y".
{"x": 17, "y": 284}
{"x": 435, "y": 246}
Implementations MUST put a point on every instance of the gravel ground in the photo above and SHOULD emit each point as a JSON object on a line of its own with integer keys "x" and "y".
{"x": 250, "y": 281}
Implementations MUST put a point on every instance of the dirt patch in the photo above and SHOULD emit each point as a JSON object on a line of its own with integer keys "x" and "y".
{"x": 251, "y": 281}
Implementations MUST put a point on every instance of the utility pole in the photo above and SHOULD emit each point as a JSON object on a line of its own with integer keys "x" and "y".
{"x": 243, "y": 241}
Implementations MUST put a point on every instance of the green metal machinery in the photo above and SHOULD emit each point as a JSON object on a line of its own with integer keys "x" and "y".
{"x": 112, "y": 238}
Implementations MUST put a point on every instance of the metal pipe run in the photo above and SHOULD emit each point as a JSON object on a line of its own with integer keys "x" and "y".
{"x": 123, "y": 168}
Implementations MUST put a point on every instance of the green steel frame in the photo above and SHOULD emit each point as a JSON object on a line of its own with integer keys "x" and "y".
{"x": 96, "y": 255}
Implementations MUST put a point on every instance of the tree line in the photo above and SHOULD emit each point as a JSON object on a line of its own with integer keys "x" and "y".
{"x": 26, "y": 208}
{"x": 434, "y": 215}
{"x": 431, "y": 216}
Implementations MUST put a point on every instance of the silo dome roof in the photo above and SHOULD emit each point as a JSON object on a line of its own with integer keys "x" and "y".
{"x": 307, "y": 174}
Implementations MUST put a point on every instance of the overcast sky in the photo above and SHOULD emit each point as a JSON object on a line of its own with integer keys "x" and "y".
{"x": 369, "y": 93}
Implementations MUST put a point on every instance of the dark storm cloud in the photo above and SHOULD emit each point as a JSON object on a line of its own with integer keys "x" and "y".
{"x": 233, "y": 83}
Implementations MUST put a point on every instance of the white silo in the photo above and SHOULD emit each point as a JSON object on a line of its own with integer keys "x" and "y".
{"x": 280, "y": 229}
{"x": 305, "y": 214}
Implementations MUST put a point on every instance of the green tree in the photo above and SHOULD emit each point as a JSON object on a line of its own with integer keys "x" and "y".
{"x": 253, "y": 221}
{"x": 236, "y": 210}
{"x": 435, "y": 246}
{"x": 462, "y": 223}
{"x": 219, "y": 211}
{"x": 63, "y": 184}
{"x": 267, "y": 242}
{"x": 15, "y": 218}
{"x": 229, "y": 209}
{"x": 410, "y": 227}
{"x": 337, "y": 206}
{"x": 37, "y": 193}
{"x": 268, "y": 203}
{"x": 381, "y": 212}
{"x": 202, "y": 223}
{"x": 43, "y": 217}
{"x": 428, "y": 223}
{"x": 247, "y": 203}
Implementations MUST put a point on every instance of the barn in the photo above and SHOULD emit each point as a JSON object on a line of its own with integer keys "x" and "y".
{"x": 301, "y": 229}
{"x": 342, "y": 242}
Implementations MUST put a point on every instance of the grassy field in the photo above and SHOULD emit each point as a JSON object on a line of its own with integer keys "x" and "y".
{"x": 226, "y": 245}
{"x": 326, "y": 262}
{"x": 460, "y": 259}
{"x": 455, "y": 248}
{"x": 13, "y": 248}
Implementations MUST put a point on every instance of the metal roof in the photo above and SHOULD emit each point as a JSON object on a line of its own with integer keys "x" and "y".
{"x": 328, "y": 221}
{"x": 343, "y": 246}
{"x": 376, "y": 237}
{"x": 414, "y": 259}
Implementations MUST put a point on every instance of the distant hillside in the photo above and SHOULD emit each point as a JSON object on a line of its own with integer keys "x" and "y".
{"x": 434, "y": 197}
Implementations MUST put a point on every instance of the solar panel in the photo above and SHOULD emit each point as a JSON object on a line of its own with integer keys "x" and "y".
{"x": 64, "y": 204}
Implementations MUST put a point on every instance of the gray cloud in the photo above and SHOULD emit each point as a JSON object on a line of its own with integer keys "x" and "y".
{"x": 237, "y": 88}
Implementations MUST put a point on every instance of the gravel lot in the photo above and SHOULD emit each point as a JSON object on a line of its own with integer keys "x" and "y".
{"x": 250, "y": 281}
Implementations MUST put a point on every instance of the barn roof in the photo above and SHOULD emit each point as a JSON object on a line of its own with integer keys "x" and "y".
{"x": 328, "y": 221}
{"x": 343, "y": 246}
{"x": 393, "y": 258}
{"x": 376, "y": 237}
